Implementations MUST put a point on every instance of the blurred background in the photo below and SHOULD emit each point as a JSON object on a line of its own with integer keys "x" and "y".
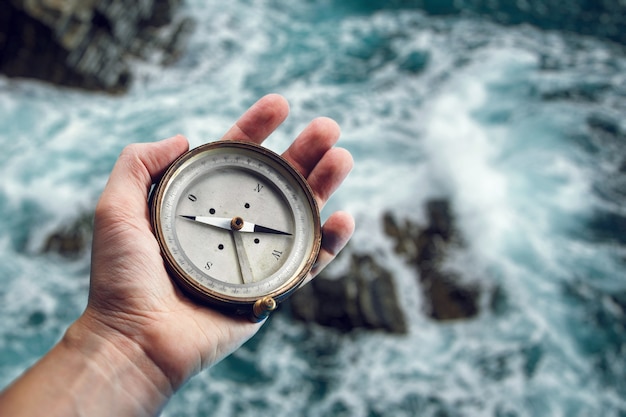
{"x": 486, "y": 275}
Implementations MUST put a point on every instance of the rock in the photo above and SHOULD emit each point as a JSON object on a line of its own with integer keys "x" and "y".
{"x": 402, "y": 235}
{"x": 87, "y": 44}
{"x": 71, "y": 240}
{"x": 448, "y": 297}
{"x": 363, "y": 297}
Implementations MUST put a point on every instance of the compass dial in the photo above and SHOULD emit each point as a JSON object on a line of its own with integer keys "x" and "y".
{"x": 236, "y": 224}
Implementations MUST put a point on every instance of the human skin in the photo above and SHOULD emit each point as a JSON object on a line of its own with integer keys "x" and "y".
{"x": 139, "y": 338}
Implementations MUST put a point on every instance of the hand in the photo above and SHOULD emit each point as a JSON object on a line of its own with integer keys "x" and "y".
{"x": 132, "y": 300}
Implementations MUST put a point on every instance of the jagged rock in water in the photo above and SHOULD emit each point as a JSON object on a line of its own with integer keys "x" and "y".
{"x": 448, "y": 297}
{"x": 71, "y": 240}
{"x": 363, "y": 297}
{"x": 87, "y": 44}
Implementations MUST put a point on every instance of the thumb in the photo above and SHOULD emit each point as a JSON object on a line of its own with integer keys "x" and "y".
{"x": 138, "y": 166}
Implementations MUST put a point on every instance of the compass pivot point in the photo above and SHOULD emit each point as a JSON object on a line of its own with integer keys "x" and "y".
{"x": 236, "y": 223}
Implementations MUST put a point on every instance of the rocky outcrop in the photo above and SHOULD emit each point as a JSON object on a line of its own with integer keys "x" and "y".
{"x": 447, "y": 295}
{"x": 70, "y": 240}
{"x": 363, "y": 297}
{"x": 87, "y": 43}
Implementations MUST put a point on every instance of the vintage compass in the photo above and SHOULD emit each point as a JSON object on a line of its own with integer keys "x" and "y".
{"x": 238, "y": 226}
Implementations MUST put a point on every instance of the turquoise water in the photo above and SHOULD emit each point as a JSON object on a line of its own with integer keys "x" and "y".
{"x": 521, "y": 129}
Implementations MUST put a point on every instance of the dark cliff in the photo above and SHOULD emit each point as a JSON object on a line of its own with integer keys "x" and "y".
{"x": 89, "y": 43}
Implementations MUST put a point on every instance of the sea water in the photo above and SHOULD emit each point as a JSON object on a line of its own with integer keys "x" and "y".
{"x": 522, "y": 130}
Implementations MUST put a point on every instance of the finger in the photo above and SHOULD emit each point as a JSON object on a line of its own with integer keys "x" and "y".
{"x": 309, "y": 147}
{"x": 329, "y": 173}
{"x": 336, "y": 233}
{"x": 260, "y": 120}
{"x": 137, "y": 168}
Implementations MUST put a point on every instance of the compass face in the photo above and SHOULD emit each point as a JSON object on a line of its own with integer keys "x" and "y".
{"x": 236, "y": 223}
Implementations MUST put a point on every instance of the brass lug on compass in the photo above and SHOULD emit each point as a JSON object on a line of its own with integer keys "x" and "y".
{"x": 262, "y": 308}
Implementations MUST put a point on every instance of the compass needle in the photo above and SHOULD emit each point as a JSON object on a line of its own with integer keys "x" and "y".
{"x": 247, "y": 275}
{"x": 225, "y": 223}
{"x": 262, "y": 229}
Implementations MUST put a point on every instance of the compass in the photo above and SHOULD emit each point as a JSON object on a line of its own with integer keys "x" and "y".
{"x": 238, "y": 226}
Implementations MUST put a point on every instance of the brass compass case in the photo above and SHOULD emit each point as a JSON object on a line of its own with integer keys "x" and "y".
{"x": 238, "y": 226}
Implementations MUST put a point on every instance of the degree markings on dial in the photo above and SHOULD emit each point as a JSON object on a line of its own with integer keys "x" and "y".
{"x": 274, "y": 176}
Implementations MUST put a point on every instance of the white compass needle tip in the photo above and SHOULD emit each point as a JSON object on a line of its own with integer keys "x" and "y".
{"x": 225, "y": 223}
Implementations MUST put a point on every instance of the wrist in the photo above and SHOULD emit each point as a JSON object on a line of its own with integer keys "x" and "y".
{"x": 89, "y": 372}
{"x": 116, "y": 366}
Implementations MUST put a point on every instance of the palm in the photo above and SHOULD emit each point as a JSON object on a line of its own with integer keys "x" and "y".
{"x": 131, "y": 292}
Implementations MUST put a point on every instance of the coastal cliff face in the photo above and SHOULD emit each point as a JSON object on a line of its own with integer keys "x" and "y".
{"x": 87, "y": 43}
